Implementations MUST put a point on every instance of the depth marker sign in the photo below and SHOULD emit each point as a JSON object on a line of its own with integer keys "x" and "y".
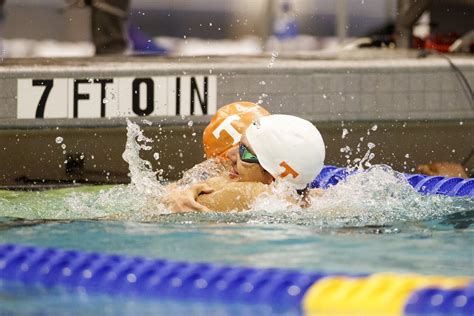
{"x": 116, "y": 97}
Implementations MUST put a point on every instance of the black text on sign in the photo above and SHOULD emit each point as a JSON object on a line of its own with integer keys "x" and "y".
{"x": 116, "y": 97}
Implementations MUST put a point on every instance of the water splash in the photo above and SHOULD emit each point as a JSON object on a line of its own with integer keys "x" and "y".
{"x": 357, "y": 162}
{"x": 261, "y": 98}
{"x": 142, "y": 177}
{"x": 377, "y": 196}
{"x": 203, "y": 171}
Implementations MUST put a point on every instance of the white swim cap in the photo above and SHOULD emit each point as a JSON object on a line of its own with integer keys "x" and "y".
{"x": 288, "y": 147}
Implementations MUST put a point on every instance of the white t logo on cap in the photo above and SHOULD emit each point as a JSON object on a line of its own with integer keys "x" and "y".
{"x": 227, "y": 126}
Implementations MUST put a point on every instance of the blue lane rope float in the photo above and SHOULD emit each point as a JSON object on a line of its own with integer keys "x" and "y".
{"x": 282, "y": 289}
{"x": 114, "y": 274}
{"x": 331, "y": 175}
{"x": 435, "y": 301}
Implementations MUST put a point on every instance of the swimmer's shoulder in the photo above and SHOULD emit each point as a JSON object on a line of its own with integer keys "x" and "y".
{"x": 230, "y": 195}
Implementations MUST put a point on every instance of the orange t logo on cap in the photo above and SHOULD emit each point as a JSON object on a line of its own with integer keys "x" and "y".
{"x": 288, "y": 170}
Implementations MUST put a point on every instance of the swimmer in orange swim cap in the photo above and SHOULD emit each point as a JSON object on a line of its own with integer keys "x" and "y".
{"x": 223, "y": 132}
{"x": 273, "y": 147}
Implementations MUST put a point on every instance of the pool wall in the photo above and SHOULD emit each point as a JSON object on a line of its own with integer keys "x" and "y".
{"x": 417, "y": 107}
{"x": 284, "y": 290}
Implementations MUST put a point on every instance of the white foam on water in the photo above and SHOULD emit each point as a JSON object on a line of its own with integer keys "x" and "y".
{"x": 376, "y": 196}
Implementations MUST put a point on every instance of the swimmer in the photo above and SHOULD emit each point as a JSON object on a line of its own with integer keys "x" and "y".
{"x": 223, "y": 132}
{"x": 280, "y": 148}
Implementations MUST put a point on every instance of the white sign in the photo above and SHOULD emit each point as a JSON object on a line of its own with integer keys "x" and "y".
{"x": 116, "y": 97}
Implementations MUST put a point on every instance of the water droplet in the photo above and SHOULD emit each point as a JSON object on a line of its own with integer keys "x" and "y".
{"x": 371, "y": 145}
{"x": 344, "y": 133}
{"x": 272, "y": 59}
{"x": 63, "y": 146}
{"x": 407, "y": 156}
{"x": 325, "y": 96}
{"x": 190, "y": 123}
{"x": 156, "y": 156}
{"x": 59, "y": 140}
{"x": 262, "y": 83}
{"x": 374, "y": 128}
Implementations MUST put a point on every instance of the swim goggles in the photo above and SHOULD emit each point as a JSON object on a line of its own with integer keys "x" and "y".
{"x": 246, "y": 155}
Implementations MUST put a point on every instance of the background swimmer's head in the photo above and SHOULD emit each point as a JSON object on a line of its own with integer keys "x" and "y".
{"x": 287, "y": 147}
{"x": 227, "y": 126}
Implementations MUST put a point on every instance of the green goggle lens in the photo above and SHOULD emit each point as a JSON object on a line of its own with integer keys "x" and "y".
{"x": 246, "y": 155}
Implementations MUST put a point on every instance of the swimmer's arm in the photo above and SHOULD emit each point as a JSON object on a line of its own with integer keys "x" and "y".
{"x": 184, "y": 200}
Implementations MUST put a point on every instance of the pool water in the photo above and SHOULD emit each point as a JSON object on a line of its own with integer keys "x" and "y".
{"x": 431, "y": 246}
{"x": 372, "y": 222}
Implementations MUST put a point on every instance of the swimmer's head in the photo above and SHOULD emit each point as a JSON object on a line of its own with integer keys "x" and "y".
{"x": 227, "y": 126}
{"x": 287, "y": 147}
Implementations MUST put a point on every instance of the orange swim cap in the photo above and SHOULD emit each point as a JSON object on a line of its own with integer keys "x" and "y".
{"x": 227, "y": 126}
